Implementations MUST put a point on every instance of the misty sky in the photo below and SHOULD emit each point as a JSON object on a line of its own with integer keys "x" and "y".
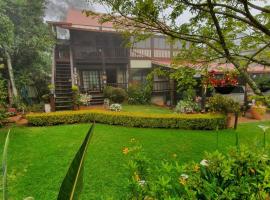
{"x": 56, "y": 10}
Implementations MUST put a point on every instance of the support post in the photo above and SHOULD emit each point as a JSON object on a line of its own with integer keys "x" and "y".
{"x": 71, "y": 65}
{"x": 235, "y": 120}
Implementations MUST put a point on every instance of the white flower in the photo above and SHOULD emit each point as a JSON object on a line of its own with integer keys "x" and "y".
{"x": 116, "y": 107}
{"x": 204, "y": 162}
{"x": 184, "y": 176}
{"x": 264, "y": 128}
{"x": 142, "y": 182}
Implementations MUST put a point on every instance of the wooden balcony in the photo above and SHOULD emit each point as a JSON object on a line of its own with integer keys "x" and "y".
{"x": 88, "y": 52}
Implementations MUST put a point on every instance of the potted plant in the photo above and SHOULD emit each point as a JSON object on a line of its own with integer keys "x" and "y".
{"x": 47, "y": 105}
{"x": 224, "y": 84}
{"x": 257, "y": 111}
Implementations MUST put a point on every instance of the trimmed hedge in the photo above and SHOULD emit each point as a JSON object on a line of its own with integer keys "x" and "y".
{"x": 183, "y": 121}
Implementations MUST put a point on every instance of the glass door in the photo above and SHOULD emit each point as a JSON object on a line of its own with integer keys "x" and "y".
{"x": 91, "y": 80}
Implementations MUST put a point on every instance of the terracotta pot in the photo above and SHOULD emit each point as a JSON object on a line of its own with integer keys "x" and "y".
{"x": 257, "y": 112}
{"x": 230, "y": 120}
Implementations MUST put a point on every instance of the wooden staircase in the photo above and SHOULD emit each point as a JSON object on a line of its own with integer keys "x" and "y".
{"x": 63, "y": 85}
{"x": 97, "y": 98}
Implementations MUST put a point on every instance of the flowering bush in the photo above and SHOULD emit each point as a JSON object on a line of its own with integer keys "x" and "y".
{"x": 228, "y": 79}
{"x": 85, "y": 99}
{"x": 116, "y": 107}
{"x": 240, "y": 174}
{"x": 186, "y": 107}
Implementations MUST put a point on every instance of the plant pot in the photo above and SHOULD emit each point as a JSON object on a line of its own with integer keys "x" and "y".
{"x": 76, "y": 107}
{"x": 225, "y": 89}
{"x": 257, "y": 112}
{"x": 47, "y": 107}
{"x": 230, "y": 120}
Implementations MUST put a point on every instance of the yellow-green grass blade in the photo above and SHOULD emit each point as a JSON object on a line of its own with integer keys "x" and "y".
{"x": 4, "y": 167}
{"x": 73, "y": 182}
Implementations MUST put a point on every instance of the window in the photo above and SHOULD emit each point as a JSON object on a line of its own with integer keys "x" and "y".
{"x": 139, "y": 75}
{"x": 91, "y": 80}
{"x": 62, "y": 34}
{"x": 144, "y": 44}
{"x": 161, "y": 43}
{"x": 177, "y": 44}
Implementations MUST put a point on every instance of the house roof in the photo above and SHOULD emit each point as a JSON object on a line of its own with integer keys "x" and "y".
{"x": 218, "y": 67}
{"x": 75, "y": 19}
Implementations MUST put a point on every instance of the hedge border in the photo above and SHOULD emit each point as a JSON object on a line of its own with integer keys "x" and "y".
{"x": 207, "y": 121}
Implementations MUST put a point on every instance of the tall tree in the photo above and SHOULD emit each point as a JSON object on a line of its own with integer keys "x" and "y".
{"x": 235, "y": 31}
{"x": 6, "y": 42}
{"x": 30, "y": 46}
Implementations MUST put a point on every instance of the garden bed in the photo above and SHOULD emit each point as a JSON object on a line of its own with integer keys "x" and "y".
{"x": 131, "y": 119}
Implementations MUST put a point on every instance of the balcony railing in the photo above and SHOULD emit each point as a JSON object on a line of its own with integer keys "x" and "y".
{"x": 86, "y": 52}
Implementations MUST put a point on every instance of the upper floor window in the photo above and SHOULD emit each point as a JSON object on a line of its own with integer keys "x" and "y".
{"x": 177, "y": 44}
{"x": 161, "y": 43}
{"x": 144, "y": 44}
{"x": 62, "y": 34}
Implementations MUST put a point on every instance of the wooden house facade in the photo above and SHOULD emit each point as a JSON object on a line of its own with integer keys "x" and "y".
{"x": 91, "y": 56}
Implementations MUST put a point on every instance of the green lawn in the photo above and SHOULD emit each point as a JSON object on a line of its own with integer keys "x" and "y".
{"x": 146, "y": 109}
{"x": 39, "y": 156}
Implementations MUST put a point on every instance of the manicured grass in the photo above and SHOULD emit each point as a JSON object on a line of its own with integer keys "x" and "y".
{"x": 39, "y": 156}
{"x": 146, "y": 109}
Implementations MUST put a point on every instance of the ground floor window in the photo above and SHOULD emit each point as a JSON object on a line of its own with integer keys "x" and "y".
{"x": 139, "y": 75}
{"x": 91, "y": 80}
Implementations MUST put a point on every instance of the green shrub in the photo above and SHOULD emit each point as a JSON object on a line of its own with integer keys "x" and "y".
{"x": 3, "y": 92}
{"x": 35, "y": 108}
{"x": 116, "y": 95}
{"x": 222, "y": 104}
{"x": 183, "y": 121}
{"x": 3, "y": 116}
{"x": 119, "y": 95}
{"x": 138, "y": 94}
{"x": 240, "y": 174}
{"x": 107, "y": 92}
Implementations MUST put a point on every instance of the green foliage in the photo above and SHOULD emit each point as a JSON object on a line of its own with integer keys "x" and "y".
{"x": 3, "y": 92}
{"x": 107, "y": 92}
{"x": 138, "y": 94}
{"x": 185, "y": 82}
{"x": 259, "y": 100}
{"x": 4, "y": 167}
{"x": 183, "y": 121}
{"x": 28, "y": 40}
{"x": 183, "y": 76}
{"x": 35, "y": 108}
{"x": 119, "y": 95}
{"x": 187, "y": 106}
{"x": 71, "y": 186}
{"x": 3, "y": 116}
{"x": 222, "y": 104}
{"x": 263, "y": 83}
{"x": 116, "y": 95}
{"x": 239, "y": 174}
{"x": 6, "y": 33}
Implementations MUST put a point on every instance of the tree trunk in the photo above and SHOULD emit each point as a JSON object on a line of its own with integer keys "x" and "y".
{"x": 11, "y": 74}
